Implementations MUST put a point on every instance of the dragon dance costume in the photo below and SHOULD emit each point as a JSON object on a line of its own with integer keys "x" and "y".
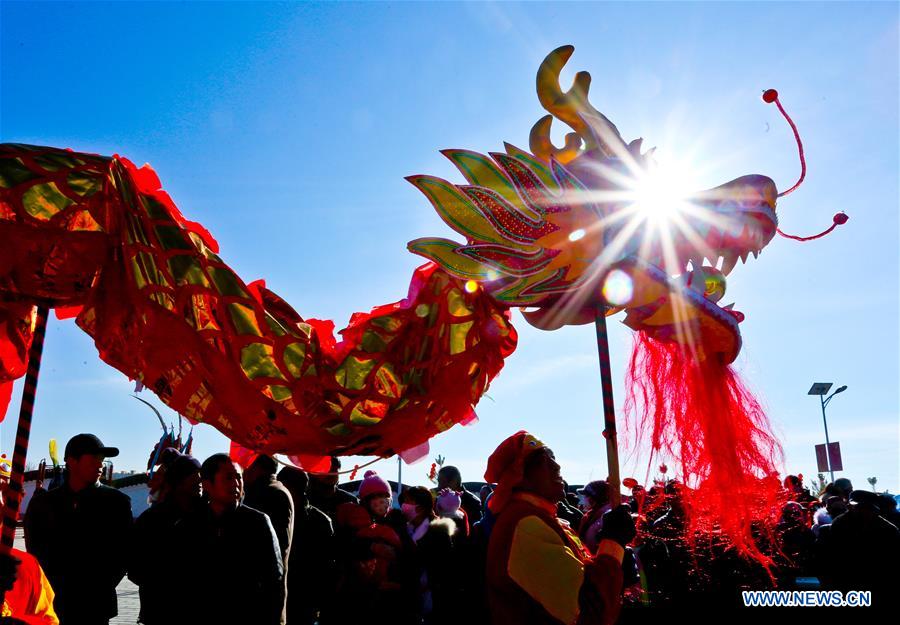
{"x": 97, "y": 238}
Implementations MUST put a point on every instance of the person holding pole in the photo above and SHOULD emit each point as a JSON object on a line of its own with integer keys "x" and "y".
{"x": 538, "y": 571}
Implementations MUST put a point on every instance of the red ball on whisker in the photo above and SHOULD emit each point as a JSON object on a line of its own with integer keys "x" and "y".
{"x": 769, "y": 96}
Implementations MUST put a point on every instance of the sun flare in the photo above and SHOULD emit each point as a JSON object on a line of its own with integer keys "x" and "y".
{"x": 662, "y": 190}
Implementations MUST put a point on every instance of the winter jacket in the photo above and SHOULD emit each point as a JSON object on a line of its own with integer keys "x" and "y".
{"x": 471, "y": 504}
{"x": 861, "y": 553}
{"x": 439, "y": 557}
{"x": 229, "y": 569}
{"x": 149, "y": 564}
{"x": 81, "y": 541}
{"x": 310, "y": 585}
{"x": 270, "y": 497}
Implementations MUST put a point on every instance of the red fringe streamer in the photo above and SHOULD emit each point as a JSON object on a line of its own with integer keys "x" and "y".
{"x": 701, "y": 414}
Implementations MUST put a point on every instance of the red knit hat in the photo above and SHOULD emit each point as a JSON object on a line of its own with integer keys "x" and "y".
{"x": 374, "y": 484}
{"x": 506, "y": 466}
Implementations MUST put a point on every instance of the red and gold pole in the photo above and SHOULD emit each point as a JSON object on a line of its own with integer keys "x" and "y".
{"x": 13, "y": 495}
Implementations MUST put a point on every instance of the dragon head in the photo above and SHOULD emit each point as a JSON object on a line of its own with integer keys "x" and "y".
{"x": 566, "y": 232}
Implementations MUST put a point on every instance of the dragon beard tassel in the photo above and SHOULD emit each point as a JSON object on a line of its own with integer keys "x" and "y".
{"x": 698, "y": 412}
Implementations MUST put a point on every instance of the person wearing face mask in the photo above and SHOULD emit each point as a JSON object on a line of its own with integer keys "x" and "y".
{"x": 438, "y": 562}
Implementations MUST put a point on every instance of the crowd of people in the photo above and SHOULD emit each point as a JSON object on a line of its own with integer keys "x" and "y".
{"x": 274, "y": 545}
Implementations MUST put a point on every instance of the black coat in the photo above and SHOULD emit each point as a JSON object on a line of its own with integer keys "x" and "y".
{"x": 81, "y": 540}
{"x": 329, "y": 505}
{"x": 269, "y": 496}
{"x": 471, "y": 504}
{"x": 150, "y": 561}
{"x": 227, "y": 570}
{"x": 440, "y": 557}
{"x": 861, "y": 553}
{"x": 311, "y": 584}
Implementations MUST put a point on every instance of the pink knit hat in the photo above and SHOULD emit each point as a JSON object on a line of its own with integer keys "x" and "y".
{"x": 373, "y": 484}
{"x": 448, "y": 502}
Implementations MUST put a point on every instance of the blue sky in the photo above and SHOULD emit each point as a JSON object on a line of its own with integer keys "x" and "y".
{"x": 287, "y": 129}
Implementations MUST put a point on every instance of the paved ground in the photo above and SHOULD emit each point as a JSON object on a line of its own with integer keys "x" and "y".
{"x": 129, "y": 603}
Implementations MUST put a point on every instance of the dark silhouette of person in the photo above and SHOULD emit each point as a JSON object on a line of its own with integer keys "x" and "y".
{"x": 324, "y": 493}
{"x": 230, "y": 568}
{"x": 265, "y": 493}
{"x": 153, "y": 534}
{"x": 312, "y": 579}
{"x": 79, "y": 533}
{"x": 860, "y": 551}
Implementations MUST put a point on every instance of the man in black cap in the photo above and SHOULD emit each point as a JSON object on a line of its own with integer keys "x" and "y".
{"x": 79, "y": 533}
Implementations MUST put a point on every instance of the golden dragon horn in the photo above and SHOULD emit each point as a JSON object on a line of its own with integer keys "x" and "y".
{"x": 573, "y": 108}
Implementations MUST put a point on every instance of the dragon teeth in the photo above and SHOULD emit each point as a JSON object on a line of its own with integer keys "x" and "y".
{"x": 729, "y": 263}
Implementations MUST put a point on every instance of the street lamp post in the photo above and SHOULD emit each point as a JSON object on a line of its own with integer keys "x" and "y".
{"x": 820, "y": 389}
